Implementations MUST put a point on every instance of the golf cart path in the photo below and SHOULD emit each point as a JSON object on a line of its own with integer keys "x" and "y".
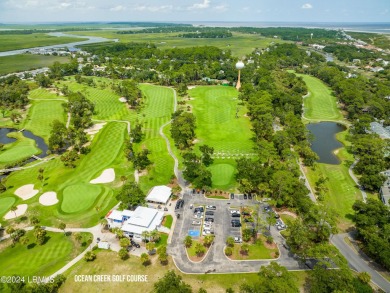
{"x": 352, "y": 175}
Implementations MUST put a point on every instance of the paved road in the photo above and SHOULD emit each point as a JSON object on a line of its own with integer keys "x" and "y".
{"x": 350, "y": 171}
{"x": 358, "y": 261}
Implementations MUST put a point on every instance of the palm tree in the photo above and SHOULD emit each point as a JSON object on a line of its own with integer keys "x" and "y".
{"x": 145, "y": 259}
{"x": 145, "y": 234}
{"x": 14, "y": 209}
{"x": 24, "y": 240}
{"x": 244, "y": 248}
{"x": 78, "y": 237}
{"x": 154, "y": 234}
{"x": 150, "y": 246}
{"x": 188, "y": 241}
{"x": 208, "y": 240}
{"x": 123, "y": 179}
{"x": 62, "y": 226}
{"x": 271, "y": 220}
{"x": 230, "y": 241}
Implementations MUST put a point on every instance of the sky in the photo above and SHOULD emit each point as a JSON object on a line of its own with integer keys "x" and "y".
{"x": 14, "y": 11}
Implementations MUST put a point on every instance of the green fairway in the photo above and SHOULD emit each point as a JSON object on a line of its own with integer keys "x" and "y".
{"x": 39, "y": 260}
{"x": 5, "y": 204}
{"x": 79, "y": 197}
{"x": 240, "y": 44}
{"x": 215, "y": 109}
{"x": 22, "y": 62}
{"x": 45, "y": 94}
{"x": 22, "y": 148}
{"x": 24, "y": 41}
{"x": 156, "y": 111}
{"x": 320, "y": 104}
{"x": 42, "y": 114}
{"x": 107, "y": 104}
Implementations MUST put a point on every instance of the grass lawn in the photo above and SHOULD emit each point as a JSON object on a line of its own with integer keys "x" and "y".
{"x": 163, "y": 240}
{"x": 320, "y": 104}
{"x": 256, "y": 251}
{"x": 41, "y": 115}
{"x": 39, "y": 260}
{"x": 22, "y": 148}
{"x": 5, "y": 204}
{"x": 215, "y": 109}
{"x": 108, "y": 263}
{"x": 191, "y": 251}
{"x": 287, "y": 218}
{"x": 22, "y": 62}
{"x": 168, "y": 221}
{"x": 240, "y": 44}
{"x": 15, "y": 42}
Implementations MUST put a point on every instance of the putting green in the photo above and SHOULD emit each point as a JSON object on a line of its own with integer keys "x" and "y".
{"x": 222, "y": 174}
{"x": 5, "y": 204}
{"x": 79, "y": 197}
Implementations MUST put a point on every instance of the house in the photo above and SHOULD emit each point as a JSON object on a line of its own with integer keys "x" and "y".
{"x": 384, "y": 192}
{"x": 159, "y": 194}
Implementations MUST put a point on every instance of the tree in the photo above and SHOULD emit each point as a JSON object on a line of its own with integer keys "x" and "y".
{"x": 150, "y": 246}
{"x": 16, "y": 235}
{"x": 62, "y": 226}
{"x": 230, "y": 241}
{"x": 199, "y": 249}
{"x": 207, "y": 152}
{"x": 271, "y": 220}
{"x": 131, "y": 195}
{"x": 183, "y": 129}
{"x": 141, "y": 160}
{"x": 163, "y": 258}
{"x": 145, "y": 260}
{"x": 14, "y": 209}
{"x": 89, "y": 256}
{"x": 78, "y": 237}
{"x": 364, "y": 277}
{"x": 124, "y": 242}
{"x": 24, "y": 240}
{"x": 244, "y": 248}
{"x": 272, "y": 278}
{"x": 145, "y": 235}
{"x": 154, "y": 235}
{"x": 228, "y": 251}
{"x": 123, "y": 254}
{"x": 123, "y": 179}
{"x": 171, "y": 283}
{"x": 58, "y": 136}
{"x": 247, "y": 234}
{"x": 10, "y": 230}
{"x": 34, "y": 221}
{"x": 40, "y": 235}
{"x": 136, "y": 132}
{"x": 188, "y": 241}
{"x": 15, "y": 116}
{"x": 208, "y": 240}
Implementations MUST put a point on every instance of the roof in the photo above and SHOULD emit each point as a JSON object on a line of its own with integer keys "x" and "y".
{"x": 159, "y": 194}
{"x": 143, "y": 219}
{"x": 104, "y": 245}
{"x": 127, "y": 213}
{"x": 385, "y": 189}
{"x": 115, "y": 215}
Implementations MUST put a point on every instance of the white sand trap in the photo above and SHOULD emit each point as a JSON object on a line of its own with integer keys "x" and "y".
{"x": 95, "y": 128}
{"x": 21, "y": 209}
{"x": 190, "y": 87}
{"x": 122, "y": 100}
{"x": 107, "y": 176}
{"x": 26, "y": 191}
{"x": 48, "y": 198}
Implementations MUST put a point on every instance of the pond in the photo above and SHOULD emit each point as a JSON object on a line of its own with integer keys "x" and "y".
{"x": 325, "y": 142}
{"x": 4, "y": 139}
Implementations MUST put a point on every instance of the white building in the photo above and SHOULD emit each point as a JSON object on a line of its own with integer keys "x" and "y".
{"x": 159, "y": 194}
{"x": 133, "y": 223}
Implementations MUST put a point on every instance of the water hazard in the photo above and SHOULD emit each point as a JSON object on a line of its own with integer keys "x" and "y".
{"x": 325, "y": 142}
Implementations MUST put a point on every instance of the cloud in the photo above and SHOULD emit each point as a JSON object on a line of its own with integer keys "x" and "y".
{"x": 203, "y": 5}
{"x": 307, "y": 6}
{"x": 161, "y": 8}
{"x": 118, "y": 8}
{"x": 221, "y": 8}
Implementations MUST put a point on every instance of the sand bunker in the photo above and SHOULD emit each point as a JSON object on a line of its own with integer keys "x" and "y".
{"x": 26, "y": 191}
{"x": 122, "y": 100}
{"x": 190, "y": 87}
{"x": 107, "y": 176}
{"x": 21, "y": 209}
{"x": 48, "y": 198}
{"x": 95, "y": 128}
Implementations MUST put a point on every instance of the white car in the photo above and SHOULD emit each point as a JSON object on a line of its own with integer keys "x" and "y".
{"x": 237, "y": 239}
{"x": 234, "y": 212}
{"x": 207, "y": 225}
{"x": 211, "y": 207}
{"x": 198, "y": 216}
{"x": 198, "y": 223}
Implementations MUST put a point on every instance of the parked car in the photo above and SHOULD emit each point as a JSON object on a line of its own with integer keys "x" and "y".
{"x": 237, "y": 239}
{"x": 234, "y": 211}
{"x": 198, "y": 216}
{"x": 235, "y": 215}
{"x": 198, "y": 223}
{"x": 245, "y": 196}
{"x": 209, "y": 213}
{"x": 232, "y": 195}
{"x": 235, "y": 221}
{"x": 236, "y": 224}
{"x": 209, "y": 219}
{"x": 267, "y": 208}
{"x": 249, "y": 196}
{"x": 211, "y": 207}
{"x": 199, "y": 209}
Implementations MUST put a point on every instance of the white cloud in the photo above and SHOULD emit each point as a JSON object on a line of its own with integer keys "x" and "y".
{"x": 203, "y": 5}
{"x": 221, "y": 8}
{"x": 161, "y": 8}
{"x": 118, "y": 8}
{"x": 307, "y": 6}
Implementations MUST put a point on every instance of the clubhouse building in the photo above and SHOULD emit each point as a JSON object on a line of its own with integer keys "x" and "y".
{"x": 159, "y": 194}
{"x": 133, "y": 223}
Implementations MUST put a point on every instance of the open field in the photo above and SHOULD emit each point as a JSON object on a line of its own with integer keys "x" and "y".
{"x": 320, "y": 104}
{"x": 239, "y": 44}
{"x": 22, "y": 148}
{"x": 42, "y": 114}
{"x": 156, "y": 111}
{"x": 22, "y": 62}
{"x": 256, "y": 251}
{"x": 39, "y": 260}
{"x": 215, "y": 109}
{"x": 109, "y": 263}
{"x": 24, "y": 41}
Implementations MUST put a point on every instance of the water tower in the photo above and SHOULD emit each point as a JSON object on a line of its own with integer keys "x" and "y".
{"x": 239, "y": 65}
